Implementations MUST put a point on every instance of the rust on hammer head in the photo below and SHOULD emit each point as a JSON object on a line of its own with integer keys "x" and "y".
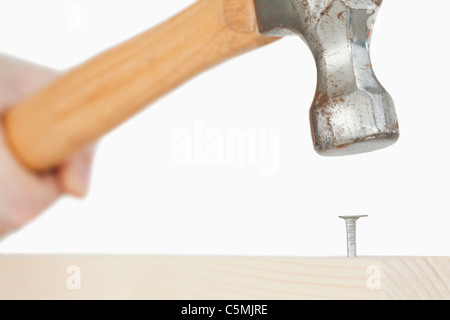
{"x": 351, "y": 112}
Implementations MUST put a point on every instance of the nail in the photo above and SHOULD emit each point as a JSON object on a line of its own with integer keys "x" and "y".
{"x": 350, "y": 222}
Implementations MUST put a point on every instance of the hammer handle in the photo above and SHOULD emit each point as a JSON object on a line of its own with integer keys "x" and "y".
{"x": 97, "y": 96}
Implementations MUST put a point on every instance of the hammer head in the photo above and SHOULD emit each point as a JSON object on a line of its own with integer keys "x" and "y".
{"x": 351, "y": 113}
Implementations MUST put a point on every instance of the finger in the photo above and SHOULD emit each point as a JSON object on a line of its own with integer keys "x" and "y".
{"x": 74, "y": 174}
{"x": 23, "y": 195}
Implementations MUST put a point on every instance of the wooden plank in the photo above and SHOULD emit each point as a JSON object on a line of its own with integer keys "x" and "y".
{"x": 185, "y": 277}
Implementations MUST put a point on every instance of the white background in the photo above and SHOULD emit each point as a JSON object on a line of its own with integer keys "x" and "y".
{"x": 142, "y": 201}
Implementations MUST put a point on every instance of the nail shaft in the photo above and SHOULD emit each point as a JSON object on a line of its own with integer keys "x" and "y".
{"x": 350, "y": 223}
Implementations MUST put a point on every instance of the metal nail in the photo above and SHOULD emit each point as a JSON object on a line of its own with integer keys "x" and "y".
{"x": 350, "y": 222}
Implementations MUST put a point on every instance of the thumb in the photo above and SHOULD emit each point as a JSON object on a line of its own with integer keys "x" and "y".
{"x": 74, "y": 174}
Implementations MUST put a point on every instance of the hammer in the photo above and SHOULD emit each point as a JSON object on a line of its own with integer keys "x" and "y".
{"x": 351, "y": 112}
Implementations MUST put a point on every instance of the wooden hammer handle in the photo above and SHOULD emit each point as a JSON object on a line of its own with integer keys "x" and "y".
{"x": 94, "y": 98}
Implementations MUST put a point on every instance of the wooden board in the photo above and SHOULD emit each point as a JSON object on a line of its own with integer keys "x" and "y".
{"x": 185, "y": 277}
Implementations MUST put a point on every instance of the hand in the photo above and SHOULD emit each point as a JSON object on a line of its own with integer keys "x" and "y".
{"x": 23, "y": 194}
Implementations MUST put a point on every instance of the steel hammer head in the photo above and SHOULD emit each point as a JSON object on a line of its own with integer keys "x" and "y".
{"x": 351, "y": 112}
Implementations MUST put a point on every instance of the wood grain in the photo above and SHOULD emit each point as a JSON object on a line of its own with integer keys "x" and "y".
{"x": 94, "y": 98}
{"x": 163, "y": 277}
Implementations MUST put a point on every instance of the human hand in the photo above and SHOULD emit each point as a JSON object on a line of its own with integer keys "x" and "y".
{"x": 23, "y": 194}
